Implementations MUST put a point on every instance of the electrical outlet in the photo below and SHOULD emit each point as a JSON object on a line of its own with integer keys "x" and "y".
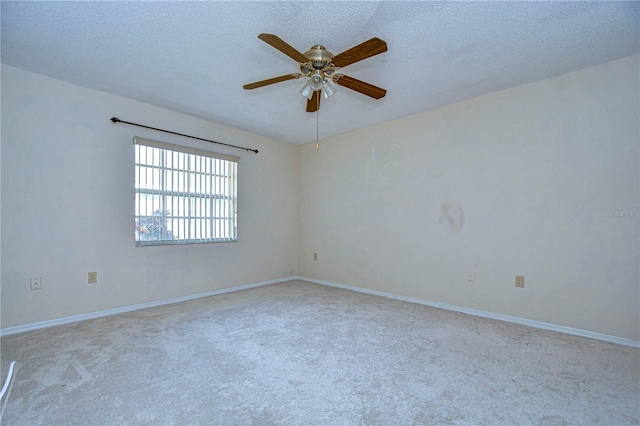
{"x": 315, "y": 256}
{"x": 520, "y": 281}
{"x": 36, "y": 283}
{"x": 92, "y": 278}
{"x": 471, "y": 275}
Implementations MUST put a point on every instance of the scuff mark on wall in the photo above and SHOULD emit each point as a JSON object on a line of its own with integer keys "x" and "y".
{"x": 453, "y": 215}
{"x": 383, "y": 165}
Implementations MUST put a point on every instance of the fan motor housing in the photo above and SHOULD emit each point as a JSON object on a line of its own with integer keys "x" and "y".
{"x": 319, "y": 56}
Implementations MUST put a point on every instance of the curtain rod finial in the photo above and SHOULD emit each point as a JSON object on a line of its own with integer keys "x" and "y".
{"x": 115, "y": 119}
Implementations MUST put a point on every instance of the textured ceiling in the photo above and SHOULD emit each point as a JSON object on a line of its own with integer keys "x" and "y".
{"x": 194, "y": 57}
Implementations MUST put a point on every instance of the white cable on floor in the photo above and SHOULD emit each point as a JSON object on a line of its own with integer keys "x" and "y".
{"x": 8, "y": 384}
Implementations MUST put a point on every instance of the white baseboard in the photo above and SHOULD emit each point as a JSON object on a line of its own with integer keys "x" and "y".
{"x": 523, "y": 321}
{"x": 484, "y": 314}
{"x": 52, "y": 323}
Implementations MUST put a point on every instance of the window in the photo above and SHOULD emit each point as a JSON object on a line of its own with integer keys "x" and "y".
{"x": 183, "y": 195}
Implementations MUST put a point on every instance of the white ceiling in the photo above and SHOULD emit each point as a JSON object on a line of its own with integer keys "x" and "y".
{"x": 194, "y": 57}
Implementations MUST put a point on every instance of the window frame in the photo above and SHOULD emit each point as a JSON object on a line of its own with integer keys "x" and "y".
{"x": 217, "y": 199}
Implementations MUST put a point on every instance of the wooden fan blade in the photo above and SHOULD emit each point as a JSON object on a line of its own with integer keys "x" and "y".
{"x": 359, "y": 86}
{"x": 313, "y": 104}
{"x": 362, "y": 51}
{"x": 270, "y": 81}
{"x": 282, "y": 46}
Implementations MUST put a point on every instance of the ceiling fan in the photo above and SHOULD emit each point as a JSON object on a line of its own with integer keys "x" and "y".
{"x": 320, "y": 66}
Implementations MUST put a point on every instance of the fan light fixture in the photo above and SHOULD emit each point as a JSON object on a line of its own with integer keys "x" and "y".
{"x": 307, "y": 91}
{"x": 318, "y": 82}
{"x": 328, "y": 89}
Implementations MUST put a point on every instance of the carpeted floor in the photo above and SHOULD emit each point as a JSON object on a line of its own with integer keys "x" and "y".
{"x": 301, "y": 353}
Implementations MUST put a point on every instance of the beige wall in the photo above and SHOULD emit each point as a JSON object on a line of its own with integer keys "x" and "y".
{"x": 520, "y": 181}
{"x": 523, "y": 181}
{"x": 67, "y": 205}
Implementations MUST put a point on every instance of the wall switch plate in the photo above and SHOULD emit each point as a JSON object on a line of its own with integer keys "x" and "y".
{"x": 36, "y": 283}
{"x": 92, "y": 277}
{"x": 520, "y": 281}
{"x": 315, "y": 256}
{"x": 471, "y": 276}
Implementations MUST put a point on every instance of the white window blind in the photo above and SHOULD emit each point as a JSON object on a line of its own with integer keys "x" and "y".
{"x": 183, "y": 195}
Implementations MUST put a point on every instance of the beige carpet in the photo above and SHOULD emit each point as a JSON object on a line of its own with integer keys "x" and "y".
{"x": 301, "y": 353}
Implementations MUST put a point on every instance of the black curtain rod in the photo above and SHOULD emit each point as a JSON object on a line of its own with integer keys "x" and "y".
{"x": 117, "y": 120}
